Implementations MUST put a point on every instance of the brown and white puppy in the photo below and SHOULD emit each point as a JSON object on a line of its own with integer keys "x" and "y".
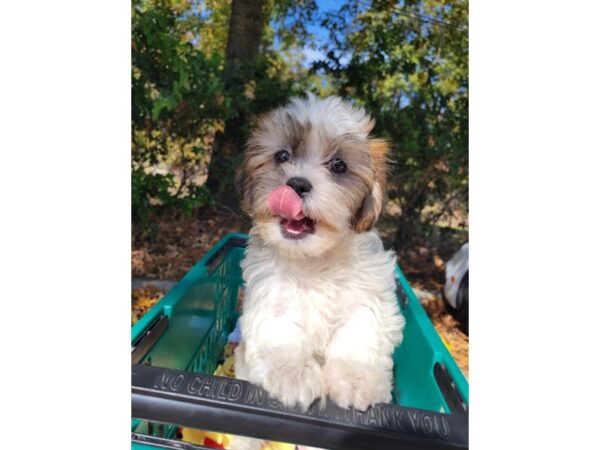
{"x": 320, "y": 316}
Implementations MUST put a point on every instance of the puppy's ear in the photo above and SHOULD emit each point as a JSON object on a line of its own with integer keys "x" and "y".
{"x": 367, "y": 125}
{"x": 372, "y": 204}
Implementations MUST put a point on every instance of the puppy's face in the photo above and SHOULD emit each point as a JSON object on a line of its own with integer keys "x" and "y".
{"x": 321, "y": 150}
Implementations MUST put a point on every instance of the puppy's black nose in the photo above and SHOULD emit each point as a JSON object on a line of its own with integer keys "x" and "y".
{"x": 301, "y": 185}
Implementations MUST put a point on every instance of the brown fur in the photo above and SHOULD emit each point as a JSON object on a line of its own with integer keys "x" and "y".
{"x": 372, "y": 204}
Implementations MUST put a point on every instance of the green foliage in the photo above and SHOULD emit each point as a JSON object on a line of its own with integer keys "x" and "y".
{"x": 407, "y": 63}
{"x": 178, "y": 106}
{"x": 150, "y": 190}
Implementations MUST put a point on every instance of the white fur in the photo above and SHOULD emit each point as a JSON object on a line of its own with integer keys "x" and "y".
{"x": 333, "y": 114}
{"x": 340, "y": 309}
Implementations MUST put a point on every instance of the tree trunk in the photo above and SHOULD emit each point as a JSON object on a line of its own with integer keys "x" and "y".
{"x": 243, "y": 41}
{"x": 245, "y": 29}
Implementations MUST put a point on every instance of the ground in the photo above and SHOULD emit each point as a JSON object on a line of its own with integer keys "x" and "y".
{"x": 175, "y": 242}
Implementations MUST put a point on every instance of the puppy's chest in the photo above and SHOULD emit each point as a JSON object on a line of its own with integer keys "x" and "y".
{"x": 320, "y": 299}
{"x": 319, "y": 303}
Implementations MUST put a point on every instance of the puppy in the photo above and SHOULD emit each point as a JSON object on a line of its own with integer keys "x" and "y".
{"x": 320, "y": 316}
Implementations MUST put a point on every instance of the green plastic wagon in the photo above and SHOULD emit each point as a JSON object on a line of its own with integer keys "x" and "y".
{"x": 176, "y": 345}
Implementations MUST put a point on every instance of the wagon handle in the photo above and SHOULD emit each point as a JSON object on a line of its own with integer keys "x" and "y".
{"x": 235, "y": 406}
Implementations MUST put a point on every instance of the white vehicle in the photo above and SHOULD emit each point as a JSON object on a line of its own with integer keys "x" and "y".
{"x": 456, "y": 289}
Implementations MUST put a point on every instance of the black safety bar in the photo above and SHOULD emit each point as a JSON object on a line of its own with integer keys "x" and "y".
{"x": 237, "y": 407}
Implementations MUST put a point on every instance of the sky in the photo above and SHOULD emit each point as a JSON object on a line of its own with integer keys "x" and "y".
{"x": 321, "y": 34}
{"x": 324, "y": 6}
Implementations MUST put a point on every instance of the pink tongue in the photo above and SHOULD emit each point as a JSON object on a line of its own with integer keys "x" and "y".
{"x": 284, "y": 202}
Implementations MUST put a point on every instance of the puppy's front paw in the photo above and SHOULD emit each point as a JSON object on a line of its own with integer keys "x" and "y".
{"x": 350, "y": 383}
{"x": 292, "y": 384}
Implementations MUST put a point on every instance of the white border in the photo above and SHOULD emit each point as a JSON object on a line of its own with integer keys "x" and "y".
{"x": 533, "y": 219}
{"x": 65, "y": 226}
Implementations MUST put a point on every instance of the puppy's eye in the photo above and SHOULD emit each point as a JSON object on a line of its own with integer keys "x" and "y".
{"x": 336, "y": 165}
{"x": 282, "y": 156}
